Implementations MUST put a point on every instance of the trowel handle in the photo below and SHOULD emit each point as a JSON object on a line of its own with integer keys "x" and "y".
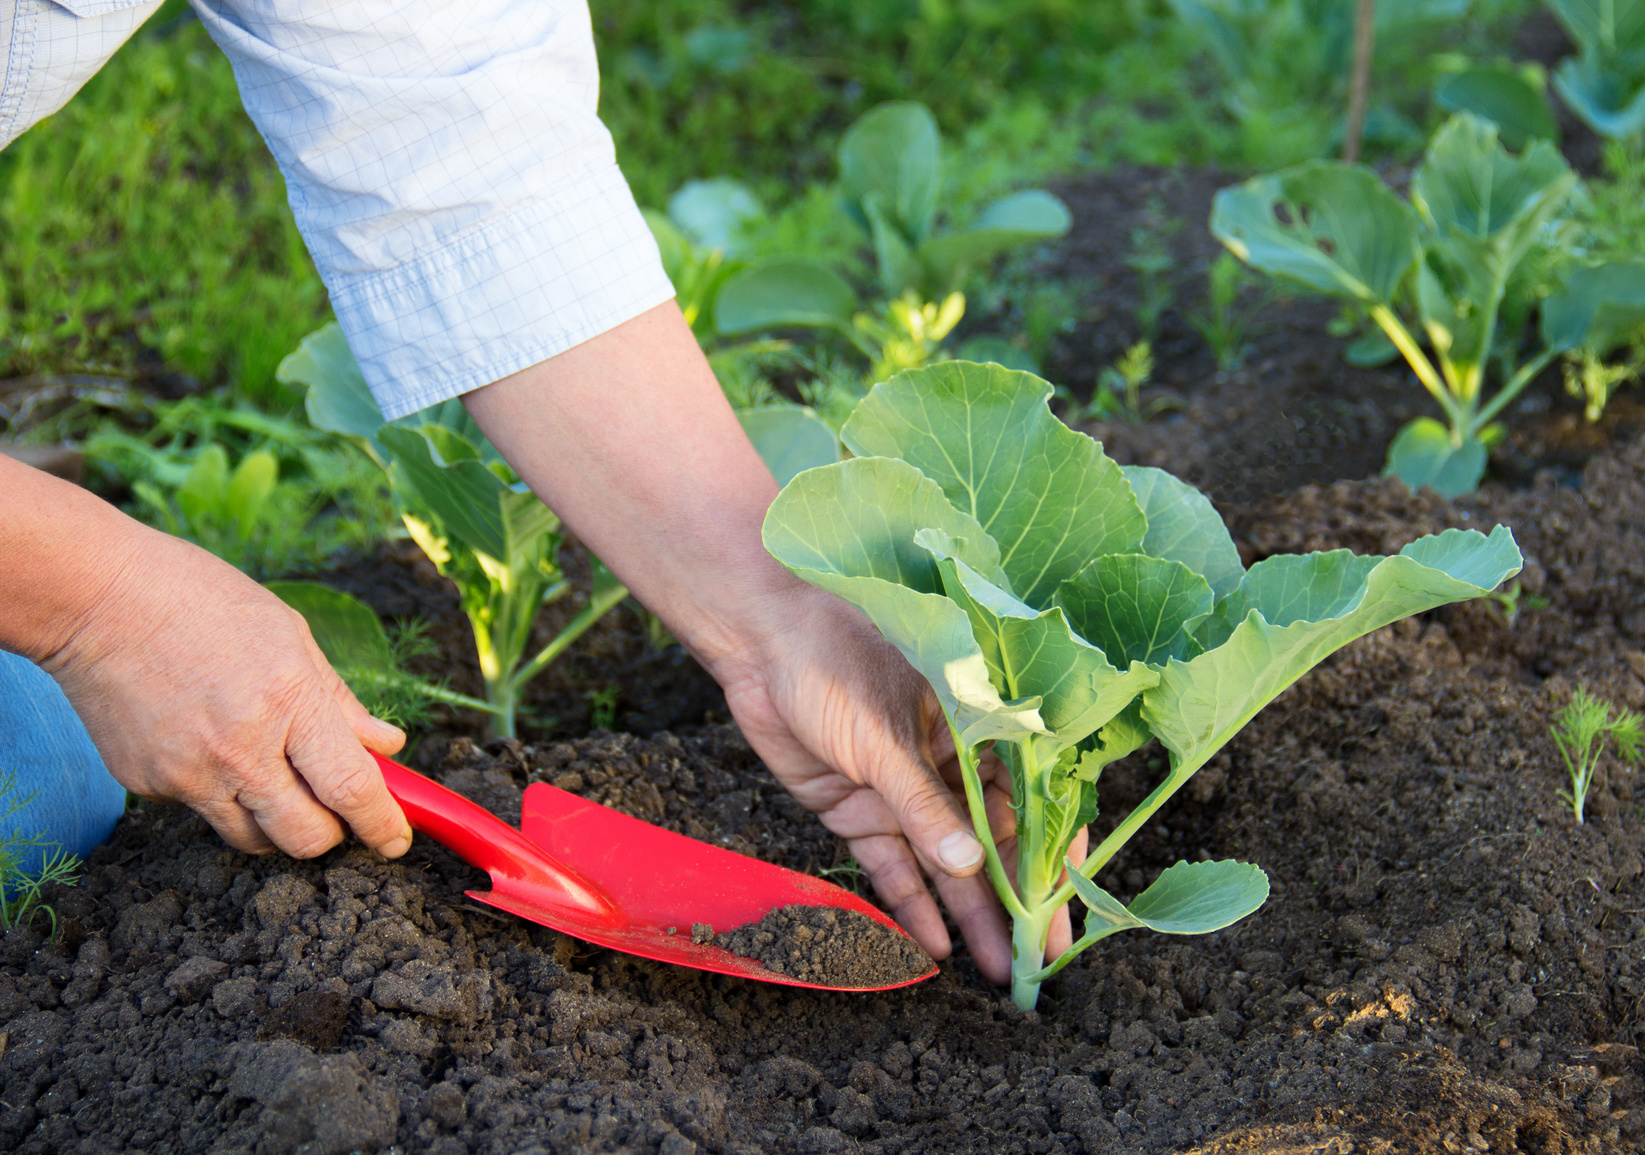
{"x": 483, "y": 840}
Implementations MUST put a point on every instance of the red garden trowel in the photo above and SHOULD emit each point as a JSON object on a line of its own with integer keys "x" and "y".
{"x": 635, "y": 888}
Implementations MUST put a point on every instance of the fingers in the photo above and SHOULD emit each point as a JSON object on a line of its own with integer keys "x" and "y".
{"x": 897, "y": 879}
{"x": 343, "y": 782}
{"x": 374, "y": 734}
{"x": 975, "y": 909}
{"x": 931, "y": 817}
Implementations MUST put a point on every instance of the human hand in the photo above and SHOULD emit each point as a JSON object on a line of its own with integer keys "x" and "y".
{"x": 847, "y": 726}
{"x": 199, "y": 686}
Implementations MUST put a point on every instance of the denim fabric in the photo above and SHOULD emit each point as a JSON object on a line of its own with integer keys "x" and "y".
{"x": 75, "y": 801}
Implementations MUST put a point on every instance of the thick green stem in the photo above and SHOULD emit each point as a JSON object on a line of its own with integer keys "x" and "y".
{"x": 598, "y": 603}
{"x": 1028, "y": 934}
{"x": 502, "y": 697}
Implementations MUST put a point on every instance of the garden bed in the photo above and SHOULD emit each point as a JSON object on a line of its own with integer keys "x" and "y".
{"x": 1447, "y": 963}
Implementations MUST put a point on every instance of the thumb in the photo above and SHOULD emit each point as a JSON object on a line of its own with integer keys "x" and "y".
{"x": 373, "y": 733}
{"x": 932, "y": 820}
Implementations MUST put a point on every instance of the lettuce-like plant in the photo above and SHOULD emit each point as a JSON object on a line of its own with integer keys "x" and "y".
{"x": 891, "y": 182}
{"x": 1068, "y": 611}
{"x": 466, "y": 508}
{"x": 1449, "y": 258}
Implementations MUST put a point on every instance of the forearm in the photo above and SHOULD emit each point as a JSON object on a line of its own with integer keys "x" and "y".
{"x": 630, "y": 440}
{"x": 61, "y": 548}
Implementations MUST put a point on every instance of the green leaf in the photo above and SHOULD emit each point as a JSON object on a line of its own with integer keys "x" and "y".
{"x": 674, "y": 247}
{"x": 204, "y": 489}
{"x": 1334, "y": 228}
{"x": 895, "y": 150}
{"x": 465, "y": 495}
{"x": 1469, "y": 186}
{"x": 1184, "y": 526}
{"x": 850, "y": 528}
{"x": 789, "y": 439}
{"x": 1188, "y": 898}
{"x": 1291, "y": 588}
{"x": 899, "y": 268}
{"x": 714, "y": 213}
{"x": 1200, "y": 704}
{"x": 1605, "y": 98}
{"x": 1424, "y": 454}
{"x": 250, "y": 488}
{"x": 1137, "y": 608}
{"x": 1602, "y": 26}
{"x": 987, "y": 436}
{"x": 347, "y": 630}
{"x": 1031, "y": 654}
{"x": 338, "y": 400}
{"x": 1598, "y": 307}
{"x": 1020, "y": 219}
{"x": 1506, "y": 96}
{"x": 1370, "y": 350}
{"x": 792, "y": 291}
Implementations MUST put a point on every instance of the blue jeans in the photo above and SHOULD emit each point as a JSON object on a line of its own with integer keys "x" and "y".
{"x": 72, "y": 801}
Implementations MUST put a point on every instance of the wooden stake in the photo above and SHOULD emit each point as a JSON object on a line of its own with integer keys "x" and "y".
{"x": 1359, "y": 86}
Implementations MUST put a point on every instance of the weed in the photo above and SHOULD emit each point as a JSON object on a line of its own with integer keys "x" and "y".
{"x": 1581, "y": 731}
{"x": 1224, "y": 325}
{"x": 1509, "y": 600}
{"x": 1151, "y": 260}
{"x": 602, "y": 707}
{"x": 22, "y": 892}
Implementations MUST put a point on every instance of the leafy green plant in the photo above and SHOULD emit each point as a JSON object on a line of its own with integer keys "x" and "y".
{"x": 1448, "y": 259}
{"x": 1514, "y": 98}
{"x": 1605, "y": 84}
{"x": 466, "y": 508}
{"x": 891, "y": 182}
{"x": 370, "y": 662}
{"x": 262, "y": 492}
{"x": 1069, "y": 611}
{"x": 1582, "y": 730}
{"x": 1150, "y": 259}
{"x": 1286, "y": 65}
{"x": 22, "y": 889}
{"x": 1225, "y": 327}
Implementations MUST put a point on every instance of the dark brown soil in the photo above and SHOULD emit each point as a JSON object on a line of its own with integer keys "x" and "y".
{"x": 836, "y": 948}
{"x": 1447, "y": 962}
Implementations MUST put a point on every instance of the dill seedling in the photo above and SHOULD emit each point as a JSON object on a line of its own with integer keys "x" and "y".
{"x": 1580, "y": 731}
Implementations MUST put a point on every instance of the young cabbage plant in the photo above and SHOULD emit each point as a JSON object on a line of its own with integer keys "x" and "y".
{"x": 1605, "y": 84}
{"x": 1069, "y": 611}
{"x": 470, "y": 513}
{"x": 353, "y": 640}
{"x": 1448, "y": 259}
{"x": 891, "y": 182}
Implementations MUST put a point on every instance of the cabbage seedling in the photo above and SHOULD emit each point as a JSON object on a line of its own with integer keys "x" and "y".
{"x": 470, "y": 513}
{"x": 1068, "y": 611}
{"x": 1477, "y": 212}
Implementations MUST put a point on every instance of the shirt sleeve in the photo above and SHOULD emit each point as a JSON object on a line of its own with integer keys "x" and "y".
{"x": 451, "y": 177}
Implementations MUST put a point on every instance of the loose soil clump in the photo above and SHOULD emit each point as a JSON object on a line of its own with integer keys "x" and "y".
{"x": 1447, "y": 961}
{"x": 831, "y": 947}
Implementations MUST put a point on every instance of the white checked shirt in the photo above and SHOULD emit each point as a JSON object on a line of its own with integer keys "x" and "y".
{"x": 444, "y": 162}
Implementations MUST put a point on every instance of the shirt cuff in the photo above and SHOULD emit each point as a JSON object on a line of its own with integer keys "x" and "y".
{"x": 512, "y": 292}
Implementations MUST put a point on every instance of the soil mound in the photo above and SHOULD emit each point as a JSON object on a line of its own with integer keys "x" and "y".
{"x": 836, "y": 948}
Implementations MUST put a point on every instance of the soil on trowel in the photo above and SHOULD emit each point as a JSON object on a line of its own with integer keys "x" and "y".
{"x": 1447, "y": 961}
{"x": 828, "y": 946}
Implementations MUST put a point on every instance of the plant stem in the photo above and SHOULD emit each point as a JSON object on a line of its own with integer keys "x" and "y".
{"x": 979, "y": 821}
{"x": 1028, "y": 955}
{"x": 1511, "y": 390}
{"x": 1418, "y": 361}
{"x": 598, "y": 603}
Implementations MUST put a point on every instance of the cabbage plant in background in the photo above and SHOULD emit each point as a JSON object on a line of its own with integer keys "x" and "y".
{"x": 891, "y": 182}
{"x": 470, "y": 513}
{"x": 1605, "y": 83}
{"x": 1068, "y": 611}
{"x": 1440, "y": 266}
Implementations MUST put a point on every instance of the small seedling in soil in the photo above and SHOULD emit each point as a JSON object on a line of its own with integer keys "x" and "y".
{"x": 1580, "y": 731}
{"x": 1067, "y": 612}
{"x": 22, "y": 891}
{"x": 466, "y": 508}
{"x": 1224, "y": 325}
{"x": 1511, "y": 599}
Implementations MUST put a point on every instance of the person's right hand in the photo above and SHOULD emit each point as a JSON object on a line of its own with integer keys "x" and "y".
{"x": 199, "y": 686}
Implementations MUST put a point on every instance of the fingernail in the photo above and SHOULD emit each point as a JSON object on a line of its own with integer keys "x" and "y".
{"x": 396, "y": 848}
{"x": 959, "y": 851}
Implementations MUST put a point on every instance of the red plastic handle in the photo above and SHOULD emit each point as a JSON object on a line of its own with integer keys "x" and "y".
{"x": 517, "y": 865}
